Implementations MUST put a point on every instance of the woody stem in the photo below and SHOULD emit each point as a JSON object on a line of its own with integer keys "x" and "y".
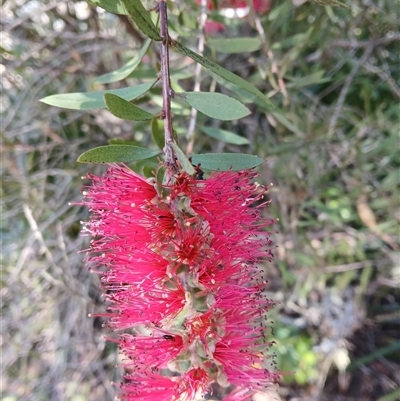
{"x": 167, "y": 91}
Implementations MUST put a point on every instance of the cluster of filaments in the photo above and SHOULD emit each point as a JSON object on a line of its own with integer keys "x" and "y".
{"x": 182, "y": 280}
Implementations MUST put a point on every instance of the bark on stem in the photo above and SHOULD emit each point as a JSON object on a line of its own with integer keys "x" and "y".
{"x": 197, "y": 78}
{"x": 167, "y": 91}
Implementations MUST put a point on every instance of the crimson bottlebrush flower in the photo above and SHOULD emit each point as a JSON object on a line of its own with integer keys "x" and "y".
{"x": 181, "y": 276}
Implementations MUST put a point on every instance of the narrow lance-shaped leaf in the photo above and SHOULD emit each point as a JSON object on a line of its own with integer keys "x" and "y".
{"x": 113, "y": 6}
{"x": 157, "y": 131}
{"x": 142, "y": 18}
{"x": 307, "y": 80}
{"x": 287, "y": 123}
{"x": 293, "y": 54}
{"x": 183, "y": 160}
{"x": 129, "y": 67}
{"x": 160, "y": 176}
{"x": 222, "y": 72}
{"x": 216, "y": 105}
{"x": 235, "y": 45}
{"x": 121, "y": 108}
{"x": 226, "y": 161}
{"x": 94, "y": 100}
{"x": 116, "y": 154}
{"x": 148, "y": 171}
{"x": 224, "y": 136}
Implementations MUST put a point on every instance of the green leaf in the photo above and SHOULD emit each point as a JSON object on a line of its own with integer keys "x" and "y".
{"x": 121, "y": 108}
{"x": 119, "y": 141}
{"x": 157, "y": 131}
{"x": 148, "y": 171}
{"x": 392, "y": 349}
{"x": 222, "y": 72}
{"x": 292, "y": 55}
{"x": 183, "y": 160}
{"x": 225, "y": 136}
{"x": 113, "y": 6}
{"x": 142, "y": 18}
{"x": 393, "y": 396}
{"x": 235, "y": 45}
{"x": 216, "y": 105}
{"x": 188, "y": 20}
{"x": 94, "y": 100}
{"x": 312, "y": 79}
{"x": 116, "y": 154}
{"x": 242, "y": 95}
{"x": 287, "y": 123}
{"x": 226, "y": 161}
{"x": 127, "y": 69}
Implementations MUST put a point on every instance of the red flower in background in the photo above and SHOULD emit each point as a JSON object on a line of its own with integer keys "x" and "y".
{"x": 181, "y": 273}
{"x": 260, "y": 7}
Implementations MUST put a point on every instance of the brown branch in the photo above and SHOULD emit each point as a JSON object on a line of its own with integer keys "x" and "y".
{"x": 167, "y": 91}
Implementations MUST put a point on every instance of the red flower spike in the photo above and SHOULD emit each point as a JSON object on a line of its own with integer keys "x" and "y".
{"x": 149, "y": 387}
{"x": 150, "y": 353}
{"x": 240, "y": 394}
{"x": 181, "y": 270}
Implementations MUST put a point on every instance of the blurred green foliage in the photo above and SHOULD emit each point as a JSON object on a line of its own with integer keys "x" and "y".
{"x": 296, "y": 357}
